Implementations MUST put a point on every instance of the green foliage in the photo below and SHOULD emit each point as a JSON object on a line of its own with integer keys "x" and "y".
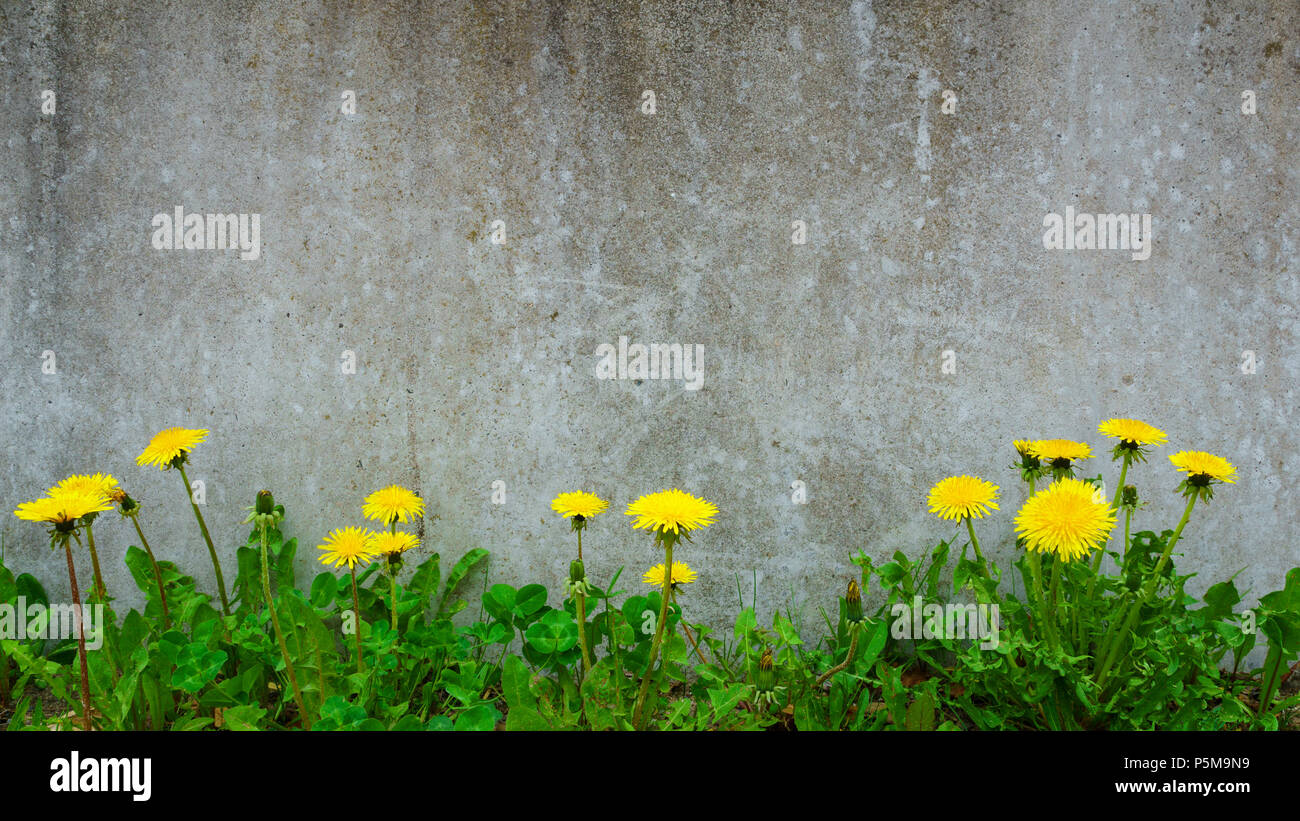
{"x": 518, "y": 665}
{"x": 1279, "y": 620}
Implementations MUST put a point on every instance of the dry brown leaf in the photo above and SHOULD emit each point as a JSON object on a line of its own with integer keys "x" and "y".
{"x": 913, "y": 677}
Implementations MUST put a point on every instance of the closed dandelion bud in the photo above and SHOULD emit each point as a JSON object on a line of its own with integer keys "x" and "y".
{"x": 126, "y": 505}
{"x": 766, "y": 679}
{"x": 264, "y": 511}
{"x": 853, "y": 602}
{"x": 265, "y": 502}
{"x": 576, "y": 584}
{"x": 1130, "y": 496}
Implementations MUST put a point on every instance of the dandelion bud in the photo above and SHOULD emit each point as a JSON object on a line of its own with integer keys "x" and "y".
{"x": 265, "y": 502}
{"x": 265, "y": 512}
{"x": 576, "y": 584}
{"x": 1130, "y": 496}
{"x": 765, "y": 681}
{"x": 126, "y": 505}
{"x": 853, "y": 602}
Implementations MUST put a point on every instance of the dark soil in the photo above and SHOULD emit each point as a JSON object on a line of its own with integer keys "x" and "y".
{"x": 51, "y": 707}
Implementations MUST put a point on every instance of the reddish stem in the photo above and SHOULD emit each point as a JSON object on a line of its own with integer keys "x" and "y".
{"x": 81, "y": 639}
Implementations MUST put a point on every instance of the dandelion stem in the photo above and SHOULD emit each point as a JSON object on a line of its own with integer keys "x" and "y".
{"x": 1148, "y": 590}
{"x": 1036, "y": 572}
{"x": 613, "y": 646}
{"x": 81, "y": 638}
{"x": 668, "y": 540}
{"x": 157, "y": 572}
{"x": 392, "y": 577}
{"x": 1056, "y": 595}
{"x": 279, "y": 635}
{"x": 212, "y": 551}
{"x": 975, "y": 543}
{"x": 1128, "y": 519}
{"x": 391, "y": 570}
{"x": 100, "y": 591}
{"x": 356, "y": 626}
{"x": 581, "y": 601}
{"x": 1114, "y": 505}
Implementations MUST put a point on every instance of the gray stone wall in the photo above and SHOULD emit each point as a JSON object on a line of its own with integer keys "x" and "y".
{"x": 477, "y": 361}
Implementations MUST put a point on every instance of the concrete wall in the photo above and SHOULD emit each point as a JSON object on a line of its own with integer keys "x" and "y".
{"x": 476, "y": 362}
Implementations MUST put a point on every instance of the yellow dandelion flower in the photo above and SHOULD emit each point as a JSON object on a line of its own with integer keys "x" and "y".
{"x": 1068, "y": 519}
{"x": 168, "y": 444}
{"x": 1023, "y": 446}
{"x": 682, "y": 574}
{"x": 1202, "y": 467}
{"x": 348, "y": 545}
{"x": 958, "y": 497}
{"x": 393, "y": 503}
{"x": 1132, "y": 430}
{"x": 62, "y": 508}
{"x": 671, "y": 511}
{"x": 98, "y": 483}
{"x": 579, "y": 503}
{"x": 392, "y": 544}
{"x": 1051, "y": 450}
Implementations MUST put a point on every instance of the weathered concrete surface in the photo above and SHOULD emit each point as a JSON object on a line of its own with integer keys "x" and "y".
{"x": 476, "y": 361}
